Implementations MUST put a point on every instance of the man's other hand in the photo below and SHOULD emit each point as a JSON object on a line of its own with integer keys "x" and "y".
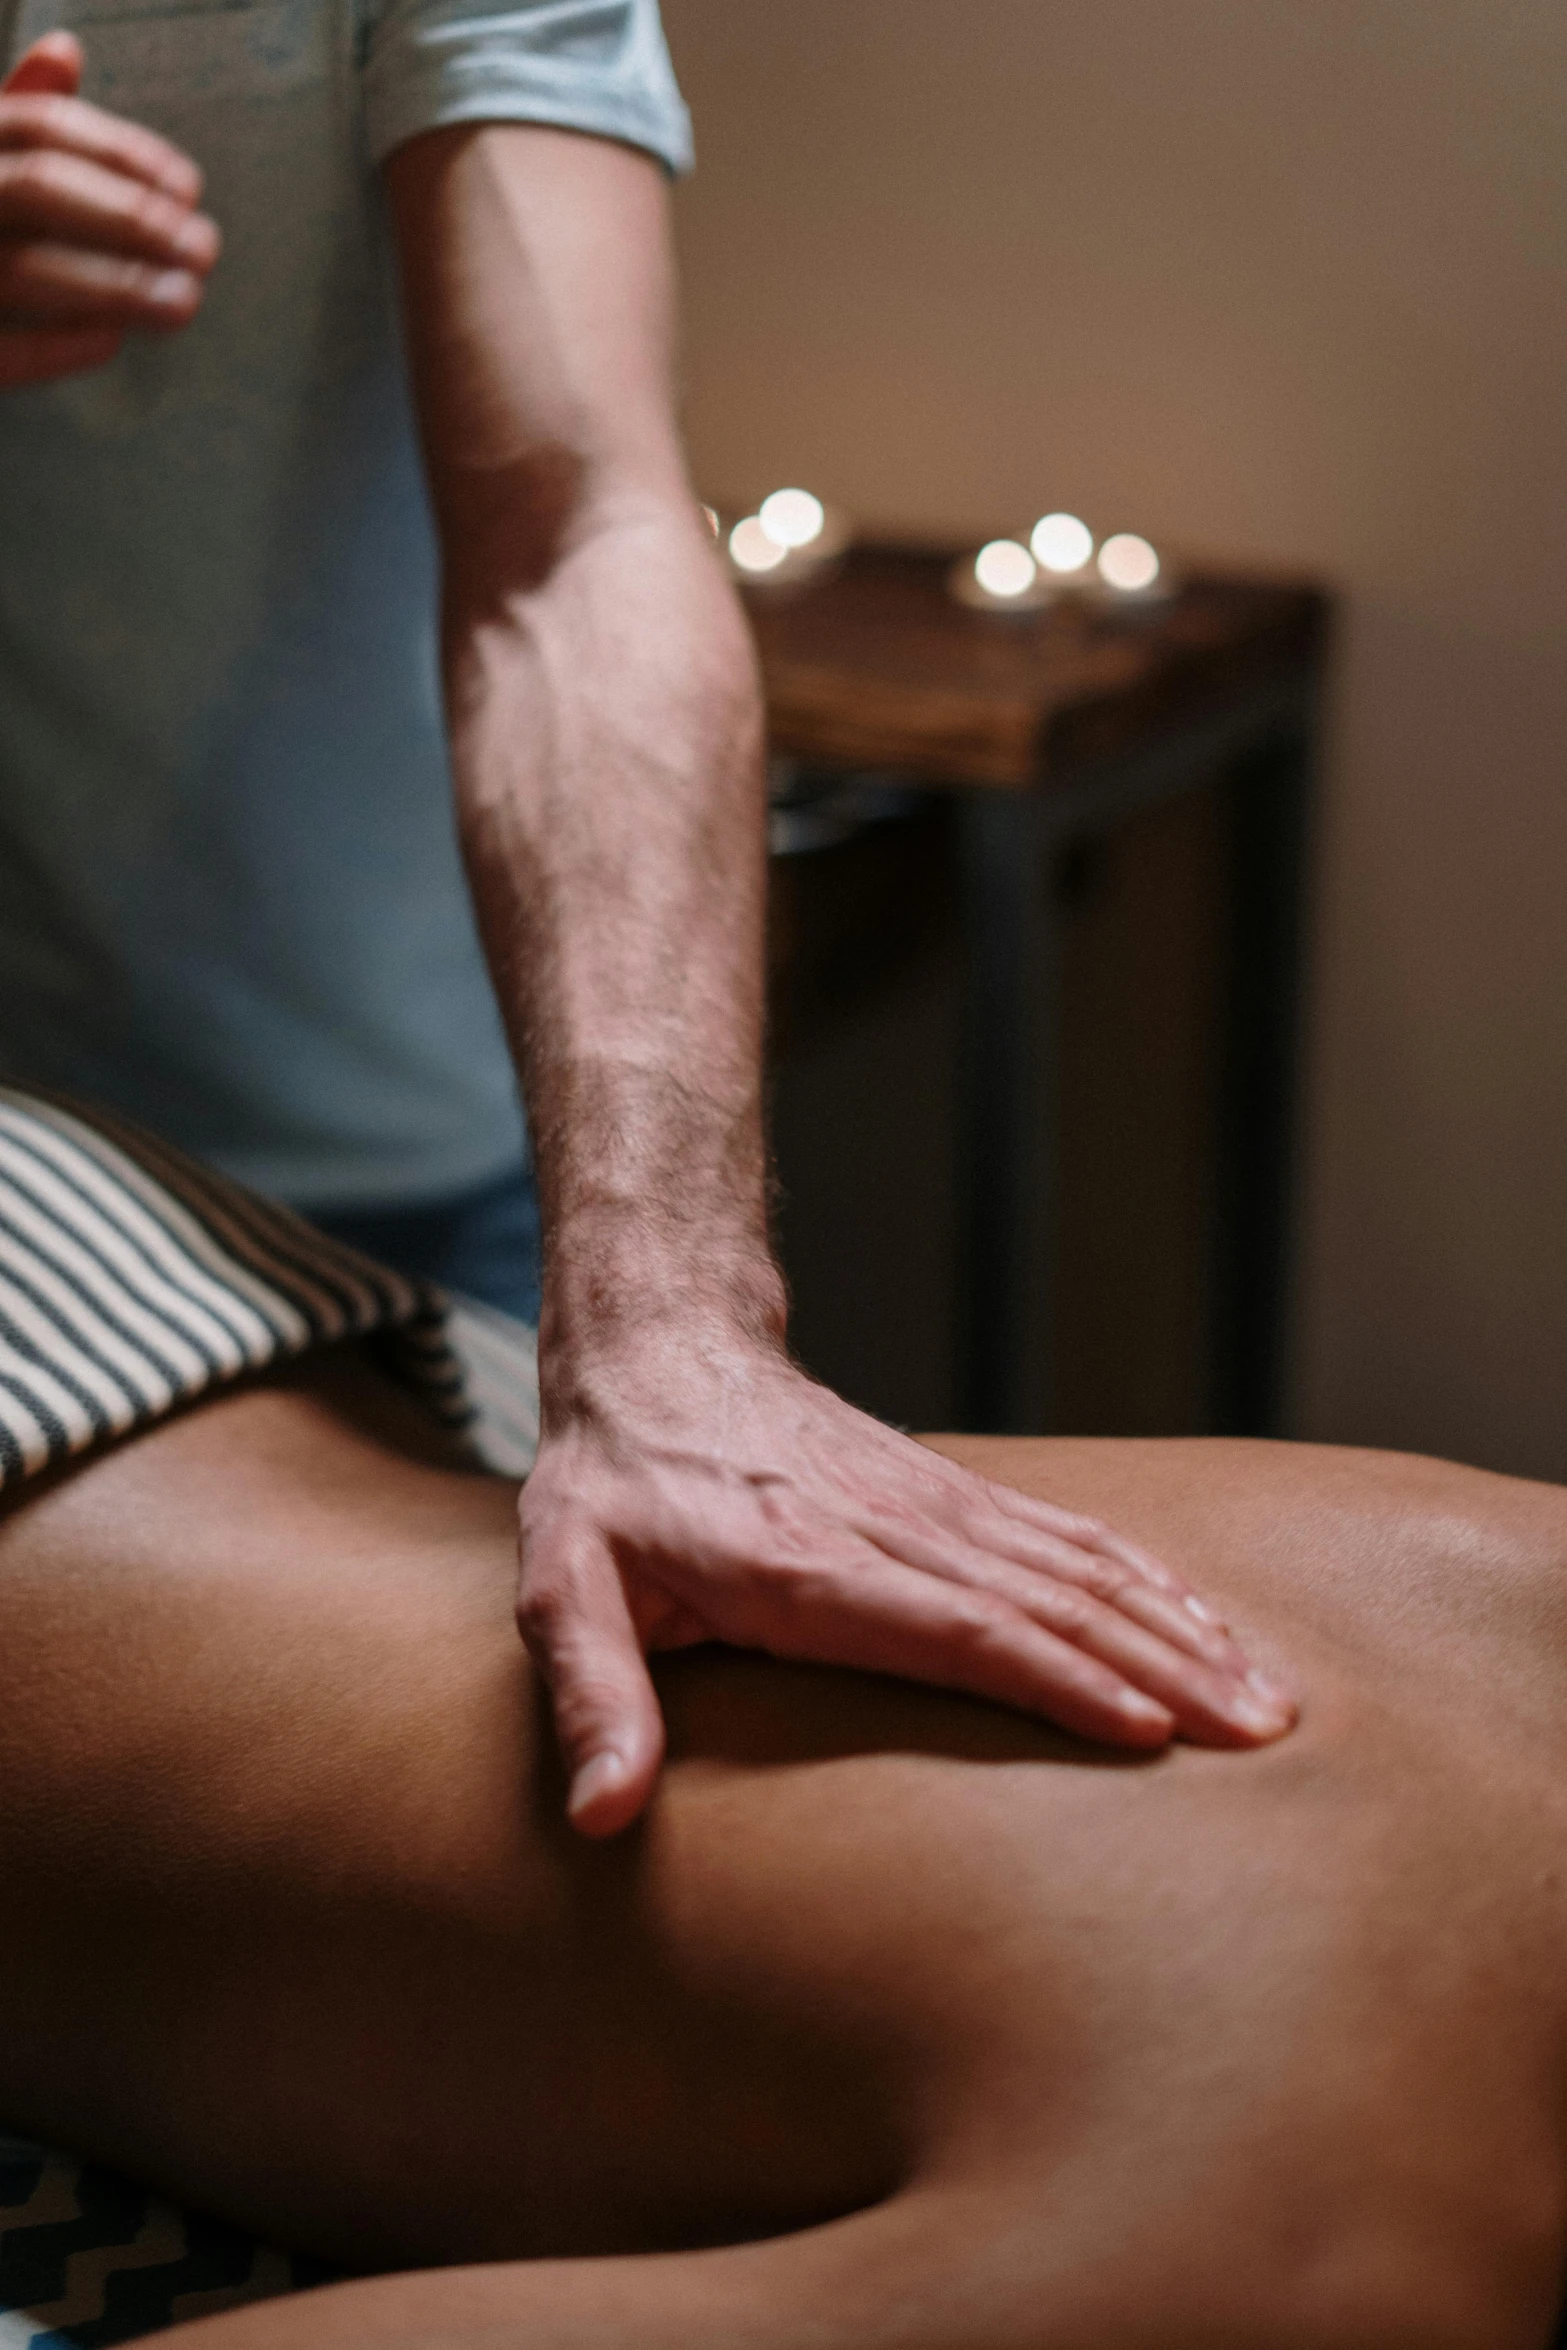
{"x": 99, "y": 231}
{"x": 732, "y": 1498}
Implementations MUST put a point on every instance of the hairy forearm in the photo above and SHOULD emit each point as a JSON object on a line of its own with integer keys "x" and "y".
{"x": 691, "y": 1484}
{"x": 606, "y": 738}
{"x": 605, "y": 725}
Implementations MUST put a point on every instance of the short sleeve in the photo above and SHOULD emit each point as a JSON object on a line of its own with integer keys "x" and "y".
{"x": 581, "y": 65}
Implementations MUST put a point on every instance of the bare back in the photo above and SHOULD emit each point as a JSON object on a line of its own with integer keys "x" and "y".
{"x": 1070, "y": 2051}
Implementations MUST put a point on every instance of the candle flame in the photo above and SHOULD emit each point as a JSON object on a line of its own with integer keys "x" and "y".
{"x": 1003, "y": 568}
{"x": 1128, "y": 562}
{"x": 1061, "y": 543}
{"x": 752, "y": 548}
{"x": 793, "y": 518}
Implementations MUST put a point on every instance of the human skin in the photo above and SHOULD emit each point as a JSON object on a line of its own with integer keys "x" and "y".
{"x": 900, "y": 2023}
{"x": 100, "y": 230}
{"x": 606, "y": 732}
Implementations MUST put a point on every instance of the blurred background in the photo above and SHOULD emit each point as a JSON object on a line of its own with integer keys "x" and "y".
{"x": 1285, "y": 286}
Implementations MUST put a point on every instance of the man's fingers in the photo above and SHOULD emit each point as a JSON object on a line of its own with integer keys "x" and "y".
{"x": 39, "y": 106}
{"x": 866, "y": 1611}
{"x": 1095, "y": 1539}
{"x": 43, "y": 283}
{"x": 1152, "y": 1570}
{"x": 1162, "y": 1603}
{"x": 50, "y": 195}
{"x": 968, "y": 1621}
{"x": 52, "y": 64}
{"x": 1138, "y": 1632}
{"x": 1042, "y": 1575}
{"x": 1081, "y": 1579}
{"x": 1088, "y": 1533}
{"x": 72, "y": 126}
{"x": 572, "y": 1613}
{"x": 37, "y": 355}
{"x": 1200, "y": 1636}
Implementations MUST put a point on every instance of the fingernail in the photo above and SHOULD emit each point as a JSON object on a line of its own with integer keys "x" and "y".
{"x": 173, "y": 289}
{"x": 1204, "y": 1615}
{"x": 1147, "y": 1712}
{"x": 193, "y": 238}
{"x": 1269, "y": 1691}
{"x": 1265, "y": 1710}
{"x": 601, "y": 1776}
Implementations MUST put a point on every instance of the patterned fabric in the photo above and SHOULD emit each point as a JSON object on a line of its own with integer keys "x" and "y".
{"x": 88, "y": 2260}
{"x": 499, "y": 1362}
{"x": 133, "y": 1281}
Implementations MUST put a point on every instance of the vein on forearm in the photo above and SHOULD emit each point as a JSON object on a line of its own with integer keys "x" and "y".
{"x": 607, "y": 746}
{"x": 603, "y": 711}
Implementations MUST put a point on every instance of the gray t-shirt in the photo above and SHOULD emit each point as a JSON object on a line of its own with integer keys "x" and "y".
{"x": 230, "y": 897}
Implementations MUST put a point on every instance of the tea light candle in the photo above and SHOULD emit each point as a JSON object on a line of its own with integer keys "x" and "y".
{"x": 1004, "y": 570}
{"x": 1002, "y": 577}
{"x": 753, "y": 550}
{"x": 1128, "y": 564}
{"x": 1062, "y": 545}
{"x": 790, "y": 536}
{"x": 793, "y": 518}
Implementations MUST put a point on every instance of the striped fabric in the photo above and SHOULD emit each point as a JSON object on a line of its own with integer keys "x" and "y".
{"x": 133, "y": 1281}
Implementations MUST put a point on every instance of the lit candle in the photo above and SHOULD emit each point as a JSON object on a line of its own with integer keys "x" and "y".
{"x": 794, "y": 518}
{"x": 1002, "y": 577}
{"x": 1063, "y": 546}
{"x": 792, "y": 535}
{"x": 753, "y": 550}
{"x": 1128, "y": 564}
{"x": 1004, "y": 570}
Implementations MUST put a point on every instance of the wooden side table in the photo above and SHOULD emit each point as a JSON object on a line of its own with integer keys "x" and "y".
{"x": 1047, "y": 729}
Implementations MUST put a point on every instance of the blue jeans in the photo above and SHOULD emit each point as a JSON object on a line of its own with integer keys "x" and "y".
{"x": 484, "y": 1243}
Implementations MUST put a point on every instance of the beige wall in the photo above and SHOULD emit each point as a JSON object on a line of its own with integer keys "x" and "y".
{"x": 1269, "y": 278}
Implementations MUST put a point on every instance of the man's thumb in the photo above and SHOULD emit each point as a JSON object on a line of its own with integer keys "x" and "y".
{"x": 51, "y": 68}
{"x": 573, "y": 1615}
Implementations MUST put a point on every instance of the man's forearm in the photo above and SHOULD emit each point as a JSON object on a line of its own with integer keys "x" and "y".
{"x": 606, "y": 736}
{"x": 691, "y": 1484}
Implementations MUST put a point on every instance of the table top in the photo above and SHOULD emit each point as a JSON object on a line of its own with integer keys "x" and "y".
{"x": 873, "y": 665}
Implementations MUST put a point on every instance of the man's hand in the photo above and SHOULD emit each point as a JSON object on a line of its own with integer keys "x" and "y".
{"x": 716, "y": 1495}
{"x": 99, "y": 231}
{"x": 607, "y": 749}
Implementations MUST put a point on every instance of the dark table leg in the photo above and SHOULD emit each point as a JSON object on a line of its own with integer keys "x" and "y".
{"x": 1005, "y": 1108}
{"x": 1270, "y": 810}
{"x": 1010, "y": 844}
